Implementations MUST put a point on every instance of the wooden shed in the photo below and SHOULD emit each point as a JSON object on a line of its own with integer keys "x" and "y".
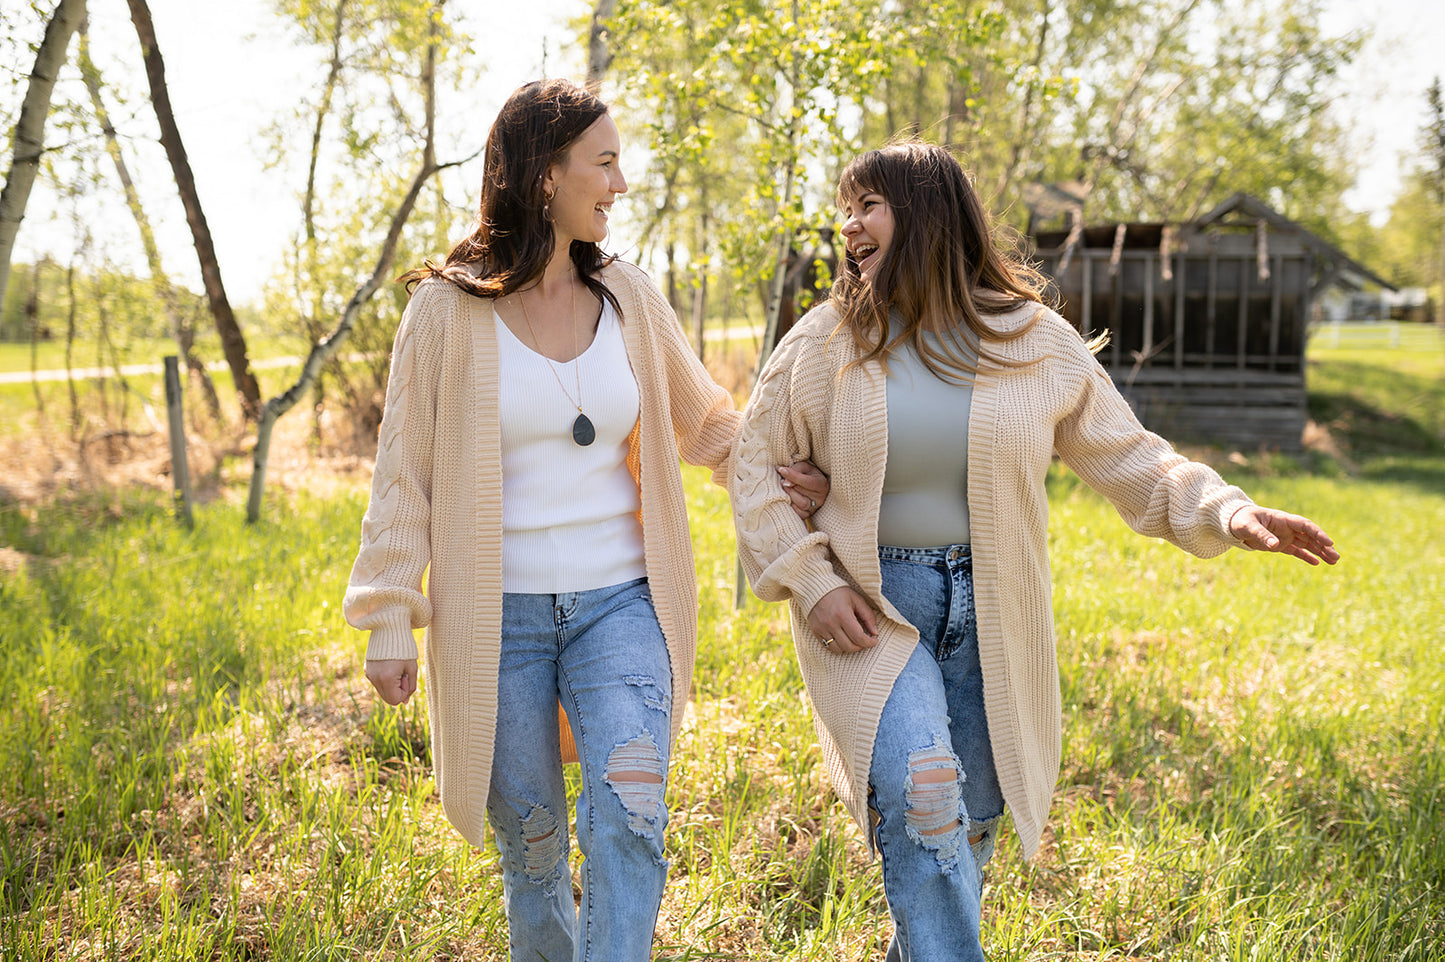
{"x": 1207, "y": 320}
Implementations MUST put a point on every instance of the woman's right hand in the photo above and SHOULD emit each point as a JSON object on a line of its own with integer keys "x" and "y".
{"x": 393, "y": 679}
{"x": 844, "y": 620}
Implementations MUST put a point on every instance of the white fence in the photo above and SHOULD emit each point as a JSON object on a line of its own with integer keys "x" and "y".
{"x": 1376, "y": 334}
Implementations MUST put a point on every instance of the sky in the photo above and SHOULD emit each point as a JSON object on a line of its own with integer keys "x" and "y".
{"x": 252, "y": 210}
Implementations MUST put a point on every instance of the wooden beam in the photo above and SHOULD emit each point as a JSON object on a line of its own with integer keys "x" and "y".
{"x": 1211, "y": 304}
{"x": 1242, "y": 345}
{"x": 1181, "y": 277}
{"x": 1148, "y": 347}
{"x": 1276, "y": 292}
{"x": 1116, "y": 310}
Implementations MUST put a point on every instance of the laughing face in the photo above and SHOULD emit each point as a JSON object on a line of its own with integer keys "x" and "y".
{"x": 585, "y": 184}
{"x": 868, "y": 231}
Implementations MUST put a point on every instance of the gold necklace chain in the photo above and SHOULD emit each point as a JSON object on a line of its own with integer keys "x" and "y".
{"x": 576, "y": 350}
{"x": 583, "y": 430}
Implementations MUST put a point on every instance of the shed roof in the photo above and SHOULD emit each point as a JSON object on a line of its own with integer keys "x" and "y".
{"x": 1242, "y": 209}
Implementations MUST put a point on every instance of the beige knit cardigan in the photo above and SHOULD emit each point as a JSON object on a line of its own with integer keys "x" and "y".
{"x": 803, "y": 408}
{"x": 436, "y": 502}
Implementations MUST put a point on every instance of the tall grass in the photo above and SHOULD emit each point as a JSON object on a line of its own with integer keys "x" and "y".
{"x": 192, "y": 765}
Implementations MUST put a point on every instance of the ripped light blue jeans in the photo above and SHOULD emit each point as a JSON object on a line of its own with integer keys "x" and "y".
{"x": 932, "y": 785}
{"x": 603, "y": 655}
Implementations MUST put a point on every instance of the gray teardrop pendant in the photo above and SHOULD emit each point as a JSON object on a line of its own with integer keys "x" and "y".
{"x": 582, "y": 430}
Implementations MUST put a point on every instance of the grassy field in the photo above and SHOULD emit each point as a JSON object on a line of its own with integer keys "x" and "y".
{"x": 192, "y": 764}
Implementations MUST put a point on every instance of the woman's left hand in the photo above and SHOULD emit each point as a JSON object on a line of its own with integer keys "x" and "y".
{"x": 807, "y": 487}
{"x": 1267, "y": 529}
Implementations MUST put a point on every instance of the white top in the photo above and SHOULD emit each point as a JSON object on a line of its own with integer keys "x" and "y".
{"x": 925, "y": 483}
{"x": 569, "y": 513}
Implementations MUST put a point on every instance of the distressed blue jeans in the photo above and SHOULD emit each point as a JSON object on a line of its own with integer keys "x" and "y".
{"x": 932, "y": 785}
{"x": 603, "y": 655}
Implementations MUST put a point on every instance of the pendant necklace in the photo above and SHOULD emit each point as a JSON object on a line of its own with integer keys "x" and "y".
{"x": 582, "y": 430}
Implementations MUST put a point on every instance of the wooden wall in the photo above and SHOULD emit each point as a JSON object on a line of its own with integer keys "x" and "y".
{"x": 1208, "y": 350}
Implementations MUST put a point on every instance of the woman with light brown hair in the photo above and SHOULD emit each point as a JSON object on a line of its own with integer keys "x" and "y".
{"x": 934, "y": 389}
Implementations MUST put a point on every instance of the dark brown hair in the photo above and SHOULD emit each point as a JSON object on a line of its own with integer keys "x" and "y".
{"x": 943, "y": 270}
{"x": 512, "y": 240}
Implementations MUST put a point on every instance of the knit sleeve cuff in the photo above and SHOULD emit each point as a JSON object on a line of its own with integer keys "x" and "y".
{"x": 811, "y": 585}
{"x": 1227, "y": 511}
{"x": 392, "y": 639}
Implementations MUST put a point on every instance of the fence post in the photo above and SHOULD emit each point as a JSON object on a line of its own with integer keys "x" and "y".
{"x": 180, "y": 473}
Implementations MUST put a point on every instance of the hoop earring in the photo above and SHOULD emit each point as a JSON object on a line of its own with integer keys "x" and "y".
{"x": 547, "y": 206}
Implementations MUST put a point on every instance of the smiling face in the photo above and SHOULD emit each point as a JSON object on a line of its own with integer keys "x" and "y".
{"x": 868, "y": 230}
{"x": 585, "y": 184}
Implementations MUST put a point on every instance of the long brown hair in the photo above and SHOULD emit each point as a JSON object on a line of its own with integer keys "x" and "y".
{"x": 513, "y": 238}
{"x": 942, "y": 272}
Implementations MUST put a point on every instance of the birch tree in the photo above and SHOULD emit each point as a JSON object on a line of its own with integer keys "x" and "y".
{"x": 1432, "y": 139}
{"x": 182, "y": 329}
{"x": 30, "y": 128}
{"x": 326, "y": 348}
{"x": 599, "y": 56}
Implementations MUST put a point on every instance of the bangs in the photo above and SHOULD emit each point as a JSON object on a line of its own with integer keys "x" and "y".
{"x": 863, "y": 175}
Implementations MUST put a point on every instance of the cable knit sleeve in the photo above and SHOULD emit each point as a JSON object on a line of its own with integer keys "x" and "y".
{"x": 704, "y": 419}
{"x": 385, "y": 595}
{"x": 1157, "y": 491}
{"x": 781, "y": 557}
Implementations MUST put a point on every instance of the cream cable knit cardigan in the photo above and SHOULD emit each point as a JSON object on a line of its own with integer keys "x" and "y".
{"x": 436, "y": 503}
{"x": 802, "y": 408}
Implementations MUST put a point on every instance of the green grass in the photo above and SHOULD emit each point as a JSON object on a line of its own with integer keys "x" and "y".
{"x": 192, "y": 764}
{"x": 1388, "y": 401}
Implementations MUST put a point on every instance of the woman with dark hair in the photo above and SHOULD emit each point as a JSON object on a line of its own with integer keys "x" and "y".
{"x": 541, "y": 394}
{"x": 934, "y": 388}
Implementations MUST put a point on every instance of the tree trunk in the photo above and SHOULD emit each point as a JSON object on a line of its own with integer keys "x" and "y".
{"x": 30, "y": 129}
{"x": 599, "y": 58}
{"x": 327, "y": 347}
{"x": 1024, "y": 139}
{"x": 1434, "y": 142}
{"x": 182, "y": 331}
{"x": 699, "y": 294}
{"x": 673, "y": 298}
{"x": 1439, "y": 311}
{"x": 785, "y": 240}
{"x": 70, "y": 352}
{"x": 32, "y": 320}
{"x": 232, "y": 341}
